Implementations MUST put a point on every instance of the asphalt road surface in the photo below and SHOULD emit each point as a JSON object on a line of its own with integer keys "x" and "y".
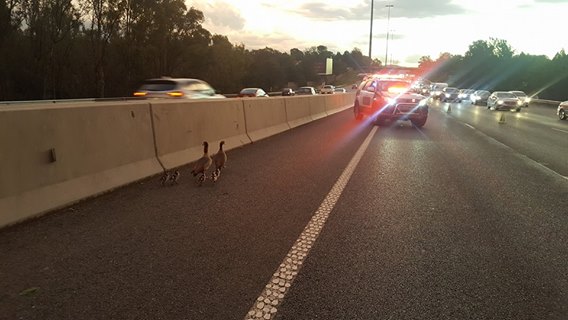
{"x": 464, "y": 218}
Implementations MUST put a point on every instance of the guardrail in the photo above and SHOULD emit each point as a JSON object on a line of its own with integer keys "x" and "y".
{"x": 546, "y": 102}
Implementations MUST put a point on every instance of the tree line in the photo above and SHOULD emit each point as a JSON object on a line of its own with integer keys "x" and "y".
{"x": 61, "y": 49}
{"x": 493, "y": 65}
{"x": 58, "y": 49}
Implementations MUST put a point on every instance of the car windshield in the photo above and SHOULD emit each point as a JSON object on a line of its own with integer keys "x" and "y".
{"x": 519, "y": 93}
{"x": 505, "y": 95}
{"x": 158, "y": 85}
{"x": 249, "y": 91}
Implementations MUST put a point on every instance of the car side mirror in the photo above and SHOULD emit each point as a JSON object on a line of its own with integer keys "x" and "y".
{"x": 371, "y": 89}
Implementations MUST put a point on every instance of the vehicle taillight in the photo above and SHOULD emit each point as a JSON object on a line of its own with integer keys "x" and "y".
{"x": 140, "y": 94}
{"x": 175, "y": 94}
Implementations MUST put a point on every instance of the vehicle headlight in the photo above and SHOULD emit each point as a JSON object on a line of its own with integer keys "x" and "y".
{"x": 500, "y": 102}
{"x": 391, "y": 101}
{"x": 519, "y": 103}
{"x": 447, "y": 95}
{"x": 527, "y": 99}
{"x": 423, "y": 102}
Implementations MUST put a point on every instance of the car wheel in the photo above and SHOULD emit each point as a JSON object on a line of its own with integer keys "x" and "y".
{"x": 562, "y": 114}
{"x": 519, "y": 109}
{"x": 419, "y": 122}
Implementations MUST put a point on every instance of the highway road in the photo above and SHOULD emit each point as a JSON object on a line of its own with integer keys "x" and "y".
{"x": 464, "y": 218}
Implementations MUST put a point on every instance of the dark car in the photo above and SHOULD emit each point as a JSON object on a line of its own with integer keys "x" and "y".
{"x": 288, "y": 92}
{"x": 479, "y": 97}
{"x": 465, "y": 94}
{"x": 252, "y": 92}
{"x": 306, "y": 91}
{"x": 449, "y": 94}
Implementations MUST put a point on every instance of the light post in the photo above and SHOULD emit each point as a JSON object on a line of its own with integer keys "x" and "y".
{"x": 371, "y": 31}
{"x": 389, "y": 6}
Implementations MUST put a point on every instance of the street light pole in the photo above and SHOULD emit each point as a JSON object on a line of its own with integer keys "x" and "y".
{"x": 371, "y": 31}
{"x": 389, "y": 6}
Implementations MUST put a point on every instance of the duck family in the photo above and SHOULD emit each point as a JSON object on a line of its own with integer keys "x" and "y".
{"x": 200, "y": 167}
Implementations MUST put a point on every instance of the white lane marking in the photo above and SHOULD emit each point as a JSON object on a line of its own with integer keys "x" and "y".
{"x": 559, "y": 130}
{"x": 469, "y": 125}
{"x": 265, "y": 306}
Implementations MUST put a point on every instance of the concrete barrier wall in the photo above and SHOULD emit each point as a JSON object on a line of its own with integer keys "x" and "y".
{"x": 53, "y": 155}
{"x": 265, "y": 117}
{"x": 317, "y": 106}
{"x": 297, "y": 111}
{"x": 182, "y": 126}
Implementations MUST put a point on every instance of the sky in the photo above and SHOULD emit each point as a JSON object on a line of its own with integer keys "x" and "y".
{"x": 416, "y": 27}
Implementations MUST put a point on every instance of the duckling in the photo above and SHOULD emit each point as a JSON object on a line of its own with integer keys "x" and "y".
{"x": 202, "y": 164}
{"x": 165, "y": 178}
{"x": 220, "y": 158}
{"x": 175, "y": 177}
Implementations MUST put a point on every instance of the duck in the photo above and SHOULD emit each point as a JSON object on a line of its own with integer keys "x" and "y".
{"x": 219, "y": 159}
{"x": 202, "y": 164}
{"x": 175, "y": 177}
{"x": 165, "y": 178}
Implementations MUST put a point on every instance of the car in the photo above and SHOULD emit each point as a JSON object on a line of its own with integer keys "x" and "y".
{"x": 523, "y": 97}
{"x": 479, "y": 97}
{"x": 252, "y": 92}
{"x": 465, "y": 94}
{"x": 288, "y": 92}
{"x": 306, "y": 91}
{"x": 436, "y": 89}
{"x": 178, "y": 88}
{"x": 340, "y": 90}
{"x": 449, "y": 94}
{"x": 562, "y": 110}
{"x": 327, "y": 89}
{"x": 388, "y": 100}
{"x": 504, "y": 100}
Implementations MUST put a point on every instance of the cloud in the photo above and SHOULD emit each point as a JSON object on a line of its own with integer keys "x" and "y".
{"x": 222, "y": 14}
{"x": 412, "y": 9}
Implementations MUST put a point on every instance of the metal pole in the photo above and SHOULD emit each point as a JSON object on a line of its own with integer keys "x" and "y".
{"x": 371, "y": 31}
{"x": 389, "y": 6}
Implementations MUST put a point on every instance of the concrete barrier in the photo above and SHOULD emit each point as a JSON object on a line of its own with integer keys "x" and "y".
{"x": 182, "y": 126}
{"x": 265, "y": 117}
{"x": 317, "y": 106}
{"x": 53, "y": 155}
{"x": 297, "y": 111}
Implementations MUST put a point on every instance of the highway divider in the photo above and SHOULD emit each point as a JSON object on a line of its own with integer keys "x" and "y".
{"x": 56, "y": 154}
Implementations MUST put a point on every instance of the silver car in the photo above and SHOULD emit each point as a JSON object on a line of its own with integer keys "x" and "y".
{"x": 504, "y": 100}
{"x": 562, "y": 110}
{"x": 180, "y": 88}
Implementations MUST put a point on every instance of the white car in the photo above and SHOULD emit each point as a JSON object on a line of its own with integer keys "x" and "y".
{"x": 179, "y": 88}
{"x": 327, "y": 89}
{"x": 503, "y": 100}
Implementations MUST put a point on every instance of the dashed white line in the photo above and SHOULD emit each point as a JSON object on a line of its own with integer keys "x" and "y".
{"x": 469, "y": 125}
{"x": 559, "y": 130}
{"x": 265, "y": 306}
